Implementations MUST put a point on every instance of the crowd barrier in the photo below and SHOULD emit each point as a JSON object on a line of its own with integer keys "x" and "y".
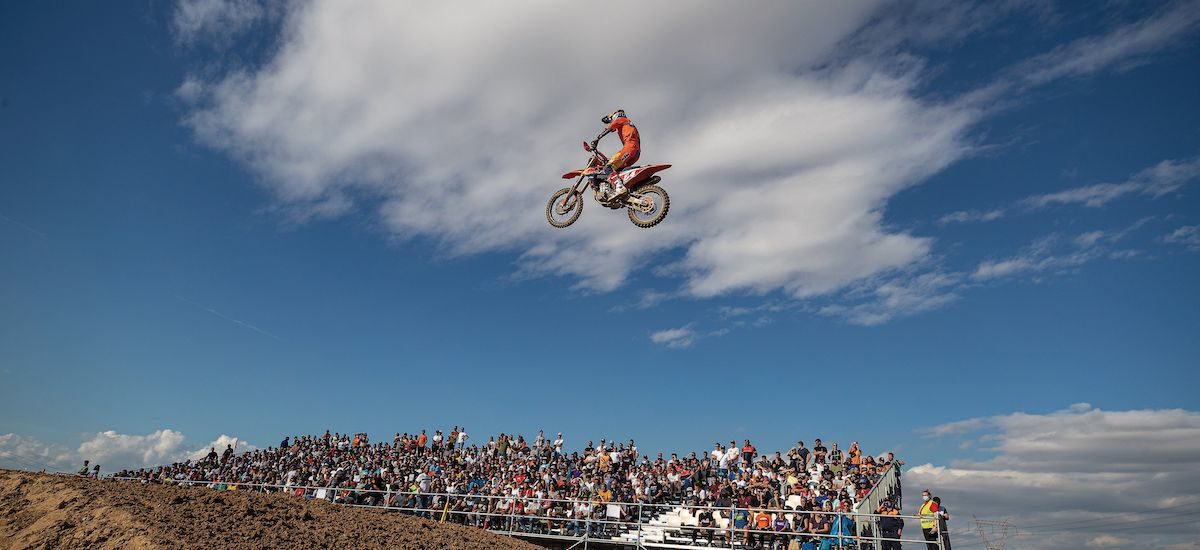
{"x": 639, "y": 525}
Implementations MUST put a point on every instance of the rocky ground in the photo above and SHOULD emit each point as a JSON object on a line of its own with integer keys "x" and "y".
{"x": 51, "y": 511}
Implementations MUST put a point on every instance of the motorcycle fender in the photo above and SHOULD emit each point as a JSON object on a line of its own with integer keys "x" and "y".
{"x": 639, "y": 176}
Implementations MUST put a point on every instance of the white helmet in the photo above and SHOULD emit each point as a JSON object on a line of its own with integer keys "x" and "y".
{"x": 619, "y": 113}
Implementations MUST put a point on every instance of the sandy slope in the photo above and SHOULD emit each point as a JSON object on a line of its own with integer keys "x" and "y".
{"x": 47, "y": 511}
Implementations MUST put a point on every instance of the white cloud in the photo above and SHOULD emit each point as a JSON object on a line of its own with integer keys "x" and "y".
{"x": 899, "y": 296}
{"x": 1161, "y": 179}
{"x": 1124, "y": 47}
{"x": 219, "y": 20}
{"x": 452, "y": 127}
{"x": 1188, "y": 235}
{"x": 741, "y": 311}
{"x": 26, "y": 453}
{"x": 1109, "y": 541}
{"x": 1036, "y": 257}
{"x": 1164, "y": 178}
{"x": 941, "y": 22}
{"x": 675, "y": 338}
{"x": 883, "y": 298}
{"x": 645, "y": 299}
{"x": 955, "y": 428}
{"x": 1054, "y": 253}
{"x": 1089, "y": 239}
{"x": 110, "y": 448}
{"x": 1073, "y": 477}
{"x": 220, "y": 444}
{"x": 964, "y": 216}
{"x": 448, "y": 122}
{"x": 113, "y": 451}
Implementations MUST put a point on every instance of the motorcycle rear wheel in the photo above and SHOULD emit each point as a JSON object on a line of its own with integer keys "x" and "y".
{"x": 568, "y": 209}
{"x": 662, "y": 203}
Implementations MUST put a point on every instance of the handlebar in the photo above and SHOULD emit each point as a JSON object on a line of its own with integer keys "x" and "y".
{"x": 595, "y": 142}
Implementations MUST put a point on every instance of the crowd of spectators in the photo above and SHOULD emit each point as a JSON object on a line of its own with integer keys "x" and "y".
{"x": 542, "y": 487}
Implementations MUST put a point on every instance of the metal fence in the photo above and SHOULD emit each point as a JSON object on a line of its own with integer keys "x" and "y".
{"x": 640, "y": 525}
{"x": 887, "y": 488}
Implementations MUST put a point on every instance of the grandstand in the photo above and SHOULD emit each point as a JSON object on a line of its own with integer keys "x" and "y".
{"x": 730, "y": 497}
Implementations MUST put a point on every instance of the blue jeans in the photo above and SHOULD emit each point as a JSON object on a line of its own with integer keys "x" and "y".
{"x": 830, "y": 543}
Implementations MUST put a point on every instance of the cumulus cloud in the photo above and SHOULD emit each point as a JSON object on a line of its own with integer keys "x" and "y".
{"x": 219, "y": 444}
{"x": 27, "y": 453}
{"x": 113, "y": 451}
{"x": 447, "y": 134}
{"x": 110, "y": 447}
{"x": 1077, "y": 477}
{"x": 676, "y": 338}
{"x": 118, "y": 451}
{"x": 787, "y": 143}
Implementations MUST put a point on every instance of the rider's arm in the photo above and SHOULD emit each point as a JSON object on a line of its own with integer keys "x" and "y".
{"x": 602, "y": 134}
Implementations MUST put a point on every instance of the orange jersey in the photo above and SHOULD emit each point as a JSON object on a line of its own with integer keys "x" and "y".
{"x": 628, "y": 133}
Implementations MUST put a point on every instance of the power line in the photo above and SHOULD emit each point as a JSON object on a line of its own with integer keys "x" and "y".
{"x": 1102, "y": 528}
{"x": 996, "y": 540}
{"x": 1150, "y": 511}
{"x": 1127, "y": 527}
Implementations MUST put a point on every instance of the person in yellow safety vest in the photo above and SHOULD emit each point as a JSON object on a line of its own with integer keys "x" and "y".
{"x": 929, "y": 520}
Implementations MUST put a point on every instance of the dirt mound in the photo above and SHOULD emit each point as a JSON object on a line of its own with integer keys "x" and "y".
{"x": 48, "y": 511}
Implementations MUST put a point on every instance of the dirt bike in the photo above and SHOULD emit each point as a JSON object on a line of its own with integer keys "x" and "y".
{"x": 646, "y": 202}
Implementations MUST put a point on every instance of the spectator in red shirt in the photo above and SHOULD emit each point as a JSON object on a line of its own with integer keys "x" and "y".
{"x": 748, "y": 452}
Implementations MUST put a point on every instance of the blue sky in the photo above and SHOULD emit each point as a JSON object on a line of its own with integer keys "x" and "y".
{"x": 212, "y": 221}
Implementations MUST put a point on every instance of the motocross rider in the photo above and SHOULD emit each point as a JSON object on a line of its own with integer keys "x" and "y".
{"x": 631, "y": 150}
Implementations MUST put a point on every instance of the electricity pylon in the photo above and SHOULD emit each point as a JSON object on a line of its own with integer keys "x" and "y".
{"x": 994, "y": 533}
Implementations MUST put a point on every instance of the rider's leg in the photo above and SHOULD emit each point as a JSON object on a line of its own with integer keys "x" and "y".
{"x": 623, "y": 159}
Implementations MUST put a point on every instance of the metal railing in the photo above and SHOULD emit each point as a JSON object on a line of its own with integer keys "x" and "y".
{"x": 642, "y": 525}
{"x": 887, "y": 486}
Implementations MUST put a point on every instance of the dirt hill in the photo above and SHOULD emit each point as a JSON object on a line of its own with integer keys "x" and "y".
{"x": 48, "y": 511}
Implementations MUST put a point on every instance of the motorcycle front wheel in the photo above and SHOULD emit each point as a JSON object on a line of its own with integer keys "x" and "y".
{"x": 650, "y": 216}
{"x": 564, "y": 207}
